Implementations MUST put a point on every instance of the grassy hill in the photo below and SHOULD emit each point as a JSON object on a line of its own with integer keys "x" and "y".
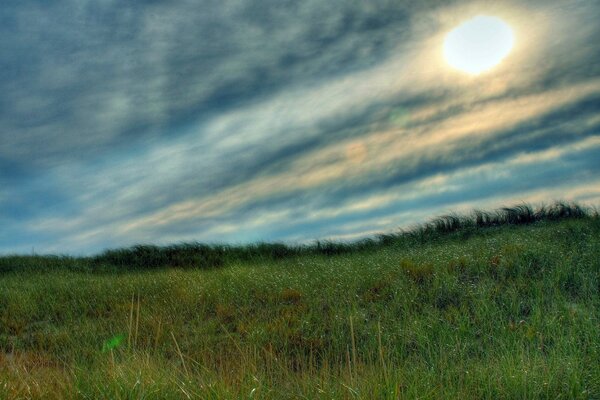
{"x": 492, "y": 305}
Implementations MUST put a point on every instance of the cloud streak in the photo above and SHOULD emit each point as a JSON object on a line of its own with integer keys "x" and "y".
{"x": 169, "y": 121}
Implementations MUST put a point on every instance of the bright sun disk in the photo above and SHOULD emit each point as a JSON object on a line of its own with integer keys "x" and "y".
{"x": 478, "y": 44}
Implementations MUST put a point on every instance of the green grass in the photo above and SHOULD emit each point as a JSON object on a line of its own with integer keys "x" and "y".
{"x": 495, "y": 305}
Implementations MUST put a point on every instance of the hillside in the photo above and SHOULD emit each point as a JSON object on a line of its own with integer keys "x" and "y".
{"x": 493, "y": 305}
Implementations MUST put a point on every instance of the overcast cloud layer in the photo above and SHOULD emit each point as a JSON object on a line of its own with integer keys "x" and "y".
{"x": 162, "y": 121}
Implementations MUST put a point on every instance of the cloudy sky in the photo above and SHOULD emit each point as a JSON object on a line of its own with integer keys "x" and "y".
{"x": 161, "y": 121}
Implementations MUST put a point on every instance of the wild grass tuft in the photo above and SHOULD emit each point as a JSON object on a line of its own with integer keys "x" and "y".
{"x": 203, "y": 256}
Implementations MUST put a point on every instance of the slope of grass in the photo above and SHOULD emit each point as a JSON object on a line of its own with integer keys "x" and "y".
{"x": 470, "y": 309}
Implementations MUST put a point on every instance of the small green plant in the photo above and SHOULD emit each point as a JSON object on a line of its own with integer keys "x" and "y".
{"x": 420, "y": 274}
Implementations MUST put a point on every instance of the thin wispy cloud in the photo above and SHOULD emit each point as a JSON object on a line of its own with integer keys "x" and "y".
{"x": 233, "y": 121}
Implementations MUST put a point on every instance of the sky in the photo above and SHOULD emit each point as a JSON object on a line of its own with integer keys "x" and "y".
{"x": 168, "y": 121}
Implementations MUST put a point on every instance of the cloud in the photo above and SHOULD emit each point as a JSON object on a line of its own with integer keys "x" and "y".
{"x": 85, "y": 77}
{"x": 170, "y": 120}
{"x": 304, "y": 181}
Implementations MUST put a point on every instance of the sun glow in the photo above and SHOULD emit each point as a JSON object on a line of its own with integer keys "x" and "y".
{"x": 478, "y": 44}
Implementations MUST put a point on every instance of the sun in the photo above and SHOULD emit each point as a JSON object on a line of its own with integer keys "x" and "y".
{"x": 478, "y": 44}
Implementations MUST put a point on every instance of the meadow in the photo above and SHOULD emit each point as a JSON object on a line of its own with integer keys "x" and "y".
{"x": 491, "y": 305}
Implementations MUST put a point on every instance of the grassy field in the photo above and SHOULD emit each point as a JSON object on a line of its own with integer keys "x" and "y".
{"x": 495, "y": 305}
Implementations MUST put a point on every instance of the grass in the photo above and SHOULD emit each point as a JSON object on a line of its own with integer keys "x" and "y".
{"x": 502, "y": 304}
